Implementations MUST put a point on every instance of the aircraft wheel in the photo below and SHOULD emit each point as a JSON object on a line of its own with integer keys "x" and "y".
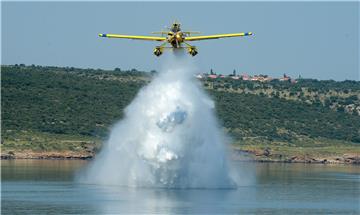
{"x": 157, "y": 52}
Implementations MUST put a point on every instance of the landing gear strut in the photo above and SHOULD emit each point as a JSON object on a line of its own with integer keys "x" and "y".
{"x": 159, "y": 49}
{"x": 191, "y": 49}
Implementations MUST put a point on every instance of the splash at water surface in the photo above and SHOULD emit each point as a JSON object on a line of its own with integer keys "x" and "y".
{"x": 168, "y": 138}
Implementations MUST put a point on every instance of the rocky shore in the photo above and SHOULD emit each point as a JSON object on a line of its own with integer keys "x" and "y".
{"x": 28, "y": 154}
{"x": 267, "y": 156}
{"x": 236, "y": 154}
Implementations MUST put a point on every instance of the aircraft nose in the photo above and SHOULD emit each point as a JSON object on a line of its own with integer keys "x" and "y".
{"x": 102, "y": 35}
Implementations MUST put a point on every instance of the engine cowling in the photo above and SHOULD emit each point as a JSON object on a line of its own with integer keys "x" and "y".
{"x": 192, "y": 51}
{"x": 157, "y": 51}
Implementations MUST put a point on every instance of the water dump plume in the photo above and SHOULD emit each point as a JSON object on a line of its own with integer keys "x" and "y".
{"x": 168, "y": 138}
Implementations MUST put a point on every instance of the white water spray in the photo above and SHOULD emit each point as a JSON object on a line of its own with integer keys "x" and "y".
{"x": 168, "y": 138}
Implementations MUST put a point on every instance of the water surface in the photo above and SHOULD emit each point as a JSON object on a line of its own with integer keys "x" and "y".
{"x": 48, "y": 187}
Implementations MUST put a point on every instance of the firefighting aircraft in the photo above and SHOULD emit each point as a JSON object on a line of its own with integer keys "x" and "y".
{"x": 176, "y": 38}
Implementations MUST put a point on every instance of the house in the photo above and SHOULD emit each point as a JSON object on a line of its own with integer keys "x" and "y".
{"x": 267, "y": 79}
{"x": 245, "y": 77}
{"x": 255, "y": 78}
{"x": 199, "y": 76}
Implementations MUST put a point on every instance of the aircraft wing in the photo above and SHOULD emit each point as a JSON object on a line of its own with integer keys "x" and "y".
{"x": 217, "y": 36}
{"x": 133, "y": 37}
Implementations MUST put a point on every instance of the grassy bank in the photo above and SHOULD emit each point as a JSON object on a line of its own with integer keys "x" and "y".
{"x": 32, "y": 144}
{"x": 306, "y": 150}
{"x": 38, "y": 145}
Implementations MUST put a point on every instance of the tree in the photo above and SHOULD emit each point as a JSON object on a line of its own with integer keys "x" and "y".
{"x": 153, "y": 72}
{"x": 340, "y": 109}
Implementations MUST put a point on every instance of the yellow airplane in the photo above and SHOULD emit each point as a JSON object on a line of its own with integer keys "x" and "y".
{"x": 175, "y": 37}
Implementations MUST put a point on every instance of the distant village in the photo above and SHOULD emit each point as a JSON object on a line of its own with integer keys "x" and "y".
{"x": 245, "y": 77}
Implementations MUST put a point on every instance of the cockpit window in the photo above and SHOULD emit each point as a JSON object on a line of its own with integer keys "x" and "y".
{"x": 175, "y": 27}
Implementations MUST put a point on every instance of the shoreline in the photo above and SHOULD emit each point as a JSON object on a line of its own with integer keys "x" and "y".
{"x": 47, "y": 155}
{"x": 266, "y": 157}
{"x": 235, "y": 155}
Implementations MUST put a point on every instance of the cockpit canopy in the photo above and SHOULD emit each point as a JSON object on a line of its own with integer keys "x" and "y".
{"x": 175, "y": 27}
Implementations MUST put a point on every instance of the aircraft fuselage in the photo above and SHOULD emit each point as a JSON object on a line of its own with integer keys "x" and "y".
{"x": 175, "y": 39}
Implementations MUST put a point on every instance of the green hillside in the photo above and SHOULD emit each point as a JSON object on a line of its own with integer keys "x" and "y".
{"x": 247, "y": 115}
{"x": 86, "y": 102}
{"x": 64, "y": 100}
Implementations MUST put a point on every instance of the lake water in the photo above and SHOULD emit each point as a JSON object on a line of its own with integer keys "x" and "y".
{"x": 48, "y": 187}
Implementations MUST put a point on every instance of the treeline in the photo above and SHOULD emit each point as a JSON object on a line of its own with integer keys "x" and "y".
{"x": 87, "y": 102}
{"x": 313, "y": 85}
{"x": 341, "y": 96}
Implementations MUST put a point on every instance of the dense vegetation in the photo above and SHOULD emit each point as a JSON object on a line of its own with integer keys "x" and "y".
{"x": 87, "y": 102}
{"x": 62, "y": 101}
{"x": 247, "y": 115}
{"x": 339, "y": 96}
